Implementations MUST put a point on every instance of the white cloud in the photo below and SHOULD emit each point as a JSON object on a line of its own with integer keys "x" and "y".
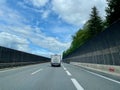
{"x": 63, "y": 33}
{"x": 77, "y": 11}
{"x": 50, "y": 43}
{"x": 43, "y": 52}
{"x": 13, "y": 41}
{"x": 14, "y": 33}
{"x": 10, "y": 16}
{"x": 45, "y": 14}
{"x": 37, "y": 3}
{"x": 34, "y": 35}
{"x": 40, "y": 39}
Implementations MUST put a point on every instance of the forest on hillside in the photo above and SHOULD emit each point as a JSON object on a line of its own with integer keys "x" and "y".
{"x": 94, "y": 25}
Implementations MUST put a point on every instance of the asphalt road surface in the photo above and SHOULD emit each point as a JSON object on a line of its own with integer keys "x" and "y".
{"x": 45, "y": 77}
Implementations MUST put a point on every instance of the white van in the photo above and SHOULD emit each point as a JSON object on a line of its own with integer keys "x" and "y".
{"x": 56, "y": 60}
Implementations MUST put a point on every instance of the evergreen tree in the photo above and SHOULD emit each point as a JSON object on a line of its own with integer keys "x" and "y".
{"x": 113, "y": 11}
{"x": 92, "y": 27}
{"x": 95, "y": 22}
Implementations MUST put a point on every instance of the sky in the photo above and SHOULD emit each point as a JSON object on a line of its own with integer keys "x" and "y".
{"x": 43, "y": 27}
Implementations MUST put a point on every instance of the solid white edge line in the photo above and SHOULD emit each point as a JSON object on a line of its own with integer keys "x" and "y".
{"x": 36, "y": 71}
{"x": 68, "y": 73}
{"x": 76, "y": 84}
{"x": 102, "y": 76}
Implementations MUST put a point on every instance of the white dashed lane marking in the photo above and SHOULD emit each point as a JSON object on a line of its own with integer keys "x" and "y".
{"x": 36, "y": 71}
{"x": 68, "y": 73}
{"x": 76, "y": 84}
{"x": 74, "y": 81}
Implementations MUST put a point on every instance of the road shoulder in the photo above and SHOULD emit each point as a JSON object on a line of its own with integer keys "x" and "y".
{"x": 104, "y": 73}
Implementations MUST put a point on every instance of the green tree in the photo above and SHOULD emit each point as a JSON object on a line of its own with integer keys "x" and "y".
{"x": 112, "y": 11}
{"x": 95, "y": 23}
{"x": 92, "y": 27}
{"x": 77, "y": 40}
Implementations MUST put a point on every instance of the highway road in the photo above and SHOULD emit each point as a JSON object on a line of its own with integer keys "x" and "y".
{"x": 45, "y": 77}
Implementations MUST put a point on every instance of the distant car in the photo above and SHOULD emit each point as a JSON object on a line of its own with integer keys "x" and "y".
{"x": 56, "y": 60}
